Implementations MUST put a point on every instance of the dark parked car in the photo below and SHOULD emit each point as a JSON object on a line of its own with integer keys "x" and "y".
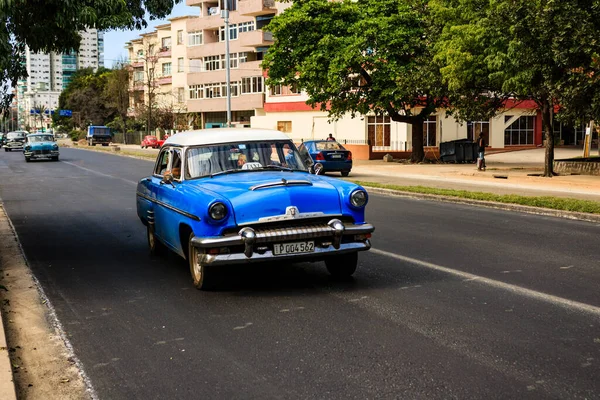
{"x": 332, "y": 155}
{"x": 15, "y": 140}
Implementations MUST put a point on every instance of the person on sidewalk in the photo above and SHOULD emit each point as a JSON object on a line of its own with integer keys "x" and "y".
{"x": 481, "y": 152}
{"x": 331, "y": 138}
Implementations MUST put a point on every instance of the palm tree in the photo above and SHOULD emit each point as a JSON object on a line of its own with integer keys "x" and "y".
{"x": 40, "y": 110}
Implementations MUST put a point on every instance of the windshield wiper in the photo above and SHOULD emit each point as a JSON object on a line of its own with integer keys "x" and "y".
{"x": 229, "y": 171}
{"x": 277, "y": 167}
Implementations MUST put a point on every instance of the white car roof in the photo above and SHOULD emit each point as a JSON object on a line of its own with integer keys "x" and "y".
{"x": 224, "y": 135}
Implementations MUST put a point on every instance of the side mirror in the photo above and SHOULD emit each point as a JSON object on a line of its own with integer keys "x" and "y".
{"x": 167, "y": 178}
{"x": 317, "y": 169}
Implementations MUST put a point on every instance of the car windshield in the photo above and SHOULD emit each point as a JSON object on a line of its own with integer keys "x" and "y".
{"x": 242, "y": 157}
{"x": 41, "y": 138}
{"x": 15, "y": 135}
{"x": 329, "y": 145}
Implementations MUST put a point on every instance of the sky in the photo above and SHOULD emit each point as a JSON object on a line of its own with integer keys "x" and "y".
{"x": 114, "y": 41}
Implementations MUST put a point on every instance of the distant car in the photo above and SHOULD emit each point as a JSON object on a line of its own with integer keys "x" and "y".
{"x": 240, "y": 196}
{"x": 151, "y": 141}
{"x": 332, "y": 155}
{"x": 40, "y": 146}
{"x": 14, "y": 140}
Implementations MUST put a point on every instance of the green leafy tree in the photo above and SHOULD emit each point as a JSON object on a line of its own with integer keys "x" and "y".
{"x": 540, "y": 50}
{"x": 116, "y": 93}
{"x": 370, "y": 56}
{"x": 54, "y": 25}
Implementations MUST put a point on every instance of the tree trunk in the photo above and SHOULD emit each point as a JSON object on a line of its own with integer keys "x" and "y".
{"x": 547, "y": 119}
{"x": 418, "y": 153}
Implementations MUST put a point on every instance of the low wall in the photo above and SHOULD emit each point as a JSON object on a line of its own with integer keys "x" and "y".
{"x": 583, "y": 166}
{"x": 359, "y": 151}
{"x": 431, "y": 153}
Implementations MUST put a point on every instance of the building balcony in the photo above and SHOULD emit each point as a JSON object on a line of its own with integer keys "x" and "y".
{"x": 238, "y": 103}
{"x": 165, "y": 80}
{"x": 193, "y": 3}
{"x": 164, "y": 52}
{"x": 138, "y": 64}
{"x": 257, "y": 38}
{"x": 208, "y": 49}
{"x": 137, "y": 87}
{"x": 256, "y": 7}
{"x": 203, "y": 23}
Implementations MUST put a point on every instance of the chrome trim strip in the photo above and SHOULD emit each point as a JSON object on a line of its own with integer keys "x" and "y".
{"x": 283, "y": 182}
{"x": 320, "y": 252}
{"x": 165, "y": 205}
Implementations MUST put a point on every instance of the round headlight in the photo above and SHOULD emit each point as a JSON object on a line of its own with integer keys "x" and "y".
{"x": 358, "y": 198}
{"x": 217, "y": 211}
{"x": 55, "y": 147}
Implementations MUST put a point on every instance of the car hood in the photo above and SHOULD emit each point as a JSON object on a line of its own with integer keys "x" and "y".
{"x": 256, "y": 195}
{"x": 42, "y": 145}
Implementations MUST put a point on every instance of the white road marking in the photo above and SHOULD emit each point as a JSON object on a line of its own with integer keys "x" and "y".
{"x": 569, "y": 267}
{"x": 548, "y": 298}
{"x": 247, "y": 324}
{"x": 100, "y": 173}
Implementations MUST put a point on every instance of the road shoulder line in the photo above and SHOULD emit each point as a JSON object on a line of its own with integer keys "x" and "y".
{"x": 489, "y": 204}
{"x": 570, "y": 305}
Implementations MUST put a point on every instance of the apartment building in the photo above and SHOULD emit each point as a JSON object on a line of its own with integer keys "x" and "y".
{"x": 49, "y": 73}
{"x": 159, "y": 67}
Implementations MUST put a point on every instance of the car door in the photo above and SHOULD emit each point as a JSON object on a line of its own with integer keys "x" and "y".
{"x": 169, "y": 199}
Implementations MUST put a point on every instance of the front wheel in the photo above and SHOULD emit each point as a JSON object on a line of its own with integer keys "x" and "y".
{"x": 27, "y": 159}
{"x": 345, "y": 173}
{"x": 55, "y": 158}
{"x": 201, "y": 273}
{"x": 8, "y": 149}
{"x": 343, "y": 265}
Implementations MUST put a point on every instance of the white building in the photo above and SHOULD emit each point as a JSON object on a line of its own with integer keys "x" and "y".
{"x": 48, "y": 74}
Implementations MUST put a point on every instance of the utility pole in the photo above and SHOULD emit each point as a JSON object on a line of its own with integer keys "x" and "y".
{"x": 225, "y": 16}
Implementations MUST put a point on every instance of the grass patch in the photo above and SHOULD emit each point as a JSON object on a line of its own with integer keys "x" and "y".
{"x": 554, "y": 203}
{"x": 125, "y": 152}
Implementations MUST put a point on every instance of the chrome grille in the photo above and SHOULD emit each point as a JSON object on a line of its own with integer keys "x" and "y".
{"x": 266, "y": 235}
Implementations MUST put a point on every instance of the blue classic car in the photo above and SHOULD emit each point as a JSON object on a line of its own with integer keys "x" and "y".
{"x": 231, "y": 196}
{"x": 40, "y": 146}
{"x": 330, "y": 154}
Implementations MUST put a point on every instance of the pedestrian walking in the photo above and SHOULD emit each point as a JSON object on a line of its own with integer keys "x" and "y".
{"x": 331, "y": 138}
{"x": 481, "y": 153}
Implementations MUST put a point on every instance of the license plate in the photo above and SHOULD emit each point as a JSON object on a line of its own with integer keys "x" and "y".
{"x": 293, "y": 248}
{"x": 336, "y": 156}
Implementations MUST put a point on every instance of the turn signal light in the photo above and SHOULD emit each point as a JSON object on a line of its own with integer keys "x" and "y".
{"x": 320, "y": 157}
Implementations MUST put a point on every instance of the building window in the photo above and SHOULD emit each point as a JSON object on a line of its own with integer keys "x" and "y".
{"x": 166, "y": 43}
{"x": 180, "y": 64}
{"x": 138, "y": 76}
{"x": 233, "y": 60}
{"x": 378, "y": 130}
{"x": 233, "y": 32}
{"x": 284, "y": 126}
{"x": 429, "y": 131}
{"x": 275, "y": 90}
{"x": 281, "y": 90}
{"x": 195, "y": 38}
{"x": 243, "y": 57}
{"x": 166, "y": 69}
{"x": 569, "y": 135}
{"x": 194, "y": 91}
{"x": 246, "y": 26}
{"x": 180, "y": 95}
{"x": 212, "y": 63}
{"x": 474, "y": 128}
{"x": 252, "y": 84}
{"x": 519, "y": 132}
{"x": 180, "y": 37}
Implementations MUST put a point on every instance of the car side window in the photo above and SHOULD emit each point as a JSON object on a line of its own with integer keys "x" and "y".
{"x": 163, "y": 162}
{"x": 176, "y": 164}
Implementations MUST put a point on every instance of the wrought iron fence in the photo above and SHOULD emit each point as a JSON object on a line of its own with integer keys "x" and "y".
{"x": 128, "y": 137}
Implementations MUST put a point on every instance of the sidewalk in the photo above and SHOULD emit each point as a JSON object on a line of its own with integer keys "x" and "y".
{"x": 513, "y": 168}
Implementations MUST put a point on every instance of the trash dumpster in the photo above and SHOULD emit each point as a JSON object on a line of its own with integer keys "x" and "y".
{"x": 458, "y": 151}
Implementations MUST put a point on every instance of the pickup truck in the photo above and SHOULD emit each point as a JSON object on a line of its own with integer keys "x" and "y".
{"x": 98, "y": 134}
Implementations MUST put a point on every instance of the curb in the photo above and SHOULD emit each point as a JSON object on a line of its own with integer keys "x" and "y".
{"x": 489, "y": 204}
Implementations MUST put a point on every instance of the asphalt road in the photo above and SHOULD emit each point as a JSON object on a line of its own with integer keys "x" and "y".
{"x": 452, "y": 302}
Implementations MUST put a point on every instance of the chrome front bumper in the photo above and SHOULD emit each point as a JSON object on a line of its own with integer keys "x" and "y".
{"x": 331, "y": 234}
{"x": 33, "y": 154}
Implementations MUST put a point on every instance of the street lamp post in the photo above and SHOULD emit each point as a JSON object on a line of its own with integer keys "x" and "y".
{"x": 225, "y": 16}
